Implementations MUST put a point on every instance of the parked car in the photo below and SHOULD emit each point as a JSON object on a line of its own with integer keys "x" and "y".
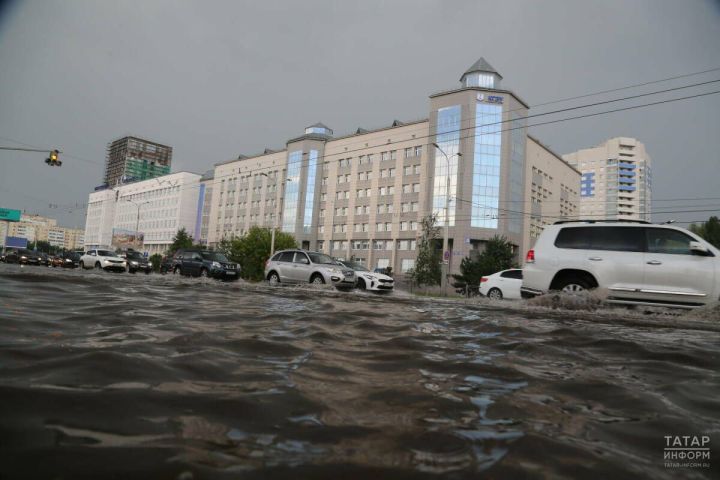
{"x": 23, "y": 256}
{"x": 102, "y": 260}
{"x": 136, "y": 262}
{"x": 637, "y": 262}
{"x": 45, "y": 259}
{"x": 504, "y": 284}
{"x": 301, "y": 266}
{"x": 204, "y": 263}
{"x": 367, "y": 280}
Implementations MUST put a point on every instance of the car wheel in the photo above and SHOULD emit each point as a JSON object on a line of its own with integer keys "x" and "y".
{"x": 82, "y": 264}
{"x": 273, "y": 278}
{"x": 98, "y": 266}
{"x": 361, "y": 284}
{"x": 204, "y": 273}
{"x": 317, "y": 279}
{"x": 573, "y": 285}
{"x": 147, "y": 272}
{"x": 495, "y": 294}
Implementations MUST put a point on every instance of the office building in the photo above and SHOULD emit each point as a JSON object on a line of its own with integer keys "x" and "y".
{"x": 362, "y": 195}
{"x": 551, "y": 190}
{"x": 616, "y": 180}
{"x": 131, "y": 159}
{"x": 156, "y": 208}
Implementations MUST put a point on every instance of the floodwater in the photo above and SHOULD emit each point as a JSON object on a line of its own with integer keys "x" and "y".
{"x": 131, "y": 376}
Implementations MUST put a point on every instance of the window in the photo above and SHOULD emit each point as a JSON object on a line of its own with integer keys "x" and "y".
{"x": 664, "y": 240}
{"x": 408, "y": 152}
{"x": 623, "y": 239}
{"x": 391, "y": 172}
{"x": 286, "y": 257}
{"x": 517, "y": 274}
{"x": 300, "y": 257}
{"x": 393, "y": 155}
{"x": 384, "y": 156}
{"x": 418, "y": 150}
{"x": 407, "y": 264}
{"x": 407, "y": 188}
{"x": 416, "y": 188}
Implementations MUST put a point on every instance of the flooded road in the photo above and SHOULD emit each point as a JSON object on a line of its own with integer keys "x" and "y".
{"x": 132, "y": 376}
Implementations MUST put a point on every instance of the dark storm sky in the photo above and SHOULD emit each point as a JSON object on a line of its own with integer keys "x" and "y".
{"x": 214, "y": 79}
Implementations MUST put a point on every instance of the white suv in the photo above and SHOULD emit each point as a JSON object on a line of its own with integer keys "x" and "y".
{"x": 301, "y": 266}
{"x": 102, "y": 260}
{"x": 637, "y": 262}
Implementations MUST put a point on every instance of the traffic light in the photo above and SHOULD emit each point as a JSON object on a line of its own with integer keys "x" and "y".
{"x": 53, "y": 160}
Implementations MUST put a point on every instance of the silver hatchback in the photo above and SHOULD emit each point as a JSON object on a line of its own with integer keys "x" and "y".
{"x": 301, "y": 266}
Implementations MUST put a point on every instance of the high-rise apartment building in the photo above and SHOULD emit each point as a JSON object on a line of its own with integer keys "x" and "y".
{"x": 363, "y": 195}
{"x": 132, "y": 159}
{"x": 616, "y": 180}
{"x": 38, "y": 228}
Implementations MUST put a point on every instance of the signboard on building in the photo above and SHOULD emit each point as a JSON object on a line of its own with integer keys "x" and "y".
{"x": 124, "y": 239}
{"x": 9, "y": 215}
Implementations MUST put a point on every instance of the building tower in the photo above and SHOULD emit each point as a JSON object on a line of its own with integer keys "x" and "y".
{"x": 616, "y": 180}
{"x": 131, "y": 159}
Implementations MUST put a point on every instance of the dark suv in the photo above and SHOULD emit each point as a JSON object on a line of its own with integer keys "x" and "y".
{"x": 136, "y": 262}
{"x": 204, "y": 263}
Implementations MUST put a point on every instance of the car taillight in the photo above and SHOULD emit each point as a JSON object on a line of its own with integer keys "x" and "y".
{"x": 530, "y": 257}
{"x": 483, "y": 279}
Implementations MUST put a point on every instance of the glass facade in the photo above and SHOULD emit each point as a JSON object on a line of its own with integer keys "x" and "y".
{"x": 486, "y": 166}
{"x": 448, "y": 139}
{"x": 292, "y": 188}
{"x": 310, "y": 191}
{"x": 482, "y": 80}
{"x": 518, "y": 138}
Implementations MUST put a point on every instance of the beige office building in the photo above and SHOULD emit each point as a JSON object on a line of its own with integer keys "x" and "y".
{"x": 616, "y": 180}
{"x": 551, "y": 190}
{"x": 362, "y": 195}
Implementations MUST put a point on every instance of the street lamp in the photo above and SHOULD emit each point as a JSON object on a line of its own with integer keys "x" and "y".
{"x": 277, "y": 214}
{"x": 137, "y": 220}
{"x": 446, "y": 246}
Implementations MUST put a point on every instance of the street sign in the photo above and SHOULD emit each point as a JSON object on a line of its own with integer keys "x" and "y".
{"x": 10, "y": 215}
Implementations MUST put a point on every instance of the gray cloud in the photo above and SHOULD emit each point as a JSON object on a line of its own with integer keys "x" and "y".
{"x": 215, "y": 79}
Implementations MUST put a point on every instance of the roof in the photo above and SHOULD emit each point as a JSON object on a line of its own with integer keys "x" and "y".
{"x": 320, "y": 125}
{"x": 552, "y": 152}
{"x": 481, "y": 66}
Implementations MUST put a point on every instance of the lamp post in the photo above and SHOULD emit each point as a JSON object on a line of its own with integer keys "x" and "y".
{"x": 277, "y": 214}
{"x": 137, "y": 219}
{"x": 446, "y": 241}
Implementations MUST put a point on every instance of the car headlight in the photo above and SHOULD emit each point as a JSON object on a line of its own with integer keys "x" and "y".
{"x": 371, "y": 277}
{"x": 216, "y": 265}
{"x": 23, "y": 257}
{"x": 133, "y": 262}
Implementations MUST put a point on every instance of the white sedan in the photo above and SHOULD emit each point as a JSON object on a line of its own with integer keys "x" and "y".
{"x": 505, "y": 284}
{"x": 367, "y": 280}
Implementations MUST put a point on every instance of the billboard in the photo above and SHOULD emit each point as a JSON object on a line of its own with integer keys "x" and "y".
{"x": 10, "y": 215}
{"x": 124, "y": 239}
{"x": 16, "y": 242}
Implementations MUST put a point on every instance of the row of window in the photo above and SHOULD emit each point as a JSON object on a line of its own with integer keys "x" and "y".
{"x": 405, "y": 226}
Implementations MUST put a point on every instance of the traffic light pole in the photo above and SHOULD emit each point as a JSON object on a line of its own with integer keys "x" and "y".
{"x": 52, "y": 159}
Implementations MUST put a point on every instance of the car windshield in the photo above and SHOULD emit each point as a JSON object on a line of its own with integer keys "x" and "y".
{"x": 105, "y": 253}
{"x": 322, "y": 258}
{"x": 134, "y": 255}
{"x": 355, "y": 266}
{"x": 214, "y": 256}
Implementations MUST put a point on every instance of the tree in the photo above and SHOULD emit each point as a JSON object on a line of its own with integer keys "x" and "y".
{"x": 181, "y": 240}
{"x": 156, "y": 260}
{"x": 252, "y": 250}
{"x": 710, "y": 231}
{"x": 427, "y": 269}
{"x": 498, "y": 255}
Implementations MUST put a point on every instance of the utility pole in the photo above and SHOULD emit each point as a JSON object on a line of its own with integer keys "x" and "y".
{"x": 446, "y": 240}
{"x": 277, "y": 213}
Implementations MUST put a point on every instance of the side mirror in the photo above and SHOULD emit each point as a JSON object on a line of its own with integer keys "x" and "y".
{"x": 698, "y": 248}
